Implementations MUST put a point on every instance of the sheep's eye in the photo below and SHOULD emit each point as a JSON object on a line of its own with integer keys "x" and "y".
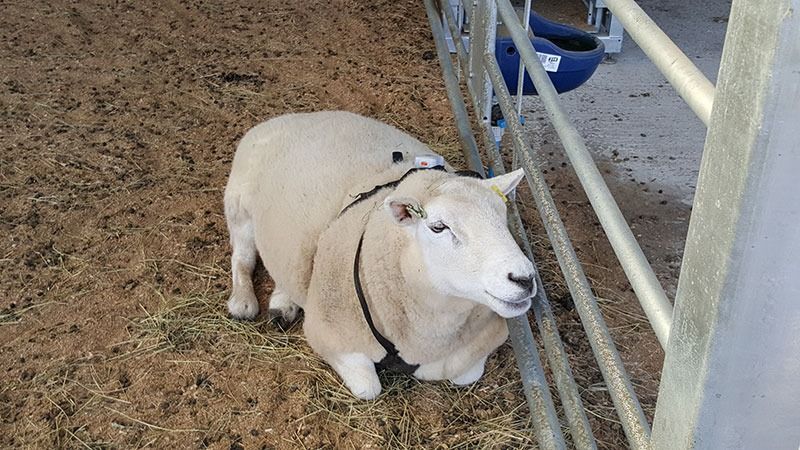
{"x": 438, "y": 227}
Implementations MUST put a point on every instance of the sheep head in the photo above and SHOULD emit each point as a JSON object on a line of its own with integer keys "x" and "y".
{"x": 458, "y": 228}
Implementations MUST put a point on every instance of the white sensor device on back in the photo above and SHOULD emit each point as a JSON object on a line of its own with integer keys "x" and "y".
{"x": 428, "y": 161}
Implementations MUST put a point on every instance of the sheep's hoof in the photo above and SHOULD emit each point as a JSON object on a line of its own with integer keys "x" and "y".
{"x": 358, "y": 373}
{"x": 282, "y": 320}
{"x": 243, "y": 307}
{"x": 282, "y": 310}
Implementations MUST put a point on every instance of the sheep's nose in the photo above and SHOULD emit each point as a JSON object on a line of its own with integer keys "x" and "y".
{"x": 523, "y": 281}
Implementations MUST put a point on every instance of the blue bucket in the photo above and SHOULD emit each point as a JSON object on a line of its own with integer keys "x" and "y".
{"x": 570, "y": 56}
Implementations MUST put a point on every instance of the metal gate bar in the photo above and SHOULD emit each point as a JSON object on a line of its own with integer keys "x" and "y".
{"x": 608, "y": 358}
{"x": 622, "y": 393}
{"x": 641, "y": 276}
{"x": 580, "y": 430}
{"x": 469, "y": 145}
{"x": 619, "y": 386}
{"x": 690, "y": 83}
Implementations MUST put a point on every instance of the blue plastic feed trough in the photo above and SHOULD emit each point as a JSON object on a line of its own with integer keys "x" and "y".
{"x": 569, "y": 55}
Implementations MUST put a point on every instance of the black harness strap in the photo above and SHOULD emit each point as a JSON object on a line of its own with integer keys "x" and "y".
{"x": 469, "y": 174}
{"x": 392, "y": 361}
{"x": 365, "y": 195}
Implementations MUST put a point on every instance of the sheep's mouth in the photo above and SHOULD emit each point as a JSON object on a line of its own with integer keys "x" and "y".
{"x": 516, "y": 306}
{"x": 509, "y": 302}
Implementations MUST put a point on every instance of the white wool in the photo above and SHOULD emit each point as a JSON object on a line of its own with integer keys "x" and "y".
{"x": 436, "y": 296}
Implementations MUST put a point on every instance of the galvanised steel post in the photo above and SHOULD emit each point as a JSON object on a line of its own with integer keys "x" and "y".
{"x": 731, "y": 376}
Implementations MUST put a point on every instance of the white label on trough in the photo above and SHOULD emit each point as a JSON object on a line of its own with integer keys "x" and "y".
{"x": 550, "y": 62}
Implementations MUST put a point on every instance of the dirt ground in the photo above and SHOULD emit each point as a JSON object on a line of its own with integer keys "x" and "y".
{"x": 119, "y": 122}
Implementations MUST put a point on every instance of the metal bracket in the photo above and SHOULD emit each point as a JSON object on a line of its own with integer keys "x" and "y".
{"x": 606, "y": 26}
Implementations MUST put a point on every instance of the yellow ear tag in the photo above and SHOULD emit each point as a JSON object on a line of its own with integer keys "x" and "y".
{"x": 500, "y": 193}
{"x": 417, "y": 211}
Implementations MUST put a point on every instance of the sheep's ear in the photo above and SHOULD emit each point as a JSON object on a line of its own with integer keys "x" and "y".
{"x": 404, "y": 210}
{"x": 506, "y": 183}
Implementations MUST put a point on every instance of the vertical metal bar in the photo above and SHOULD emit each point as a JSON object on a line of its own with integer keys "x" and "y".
{"x": 462, "y": 56}
{"x": 619, "y": 386}
{"x": 521, "y": 76}
{"x": 731, "y": 375}
{"x": 580, "y": 430}
{"x": 643, "y": 280}
{"x": 615, "y": 31}
{"x": 537, "y": 392}
{"x": 482, "y": 28}
{"x": 454, "y": 94}
{"x": 683, "y": 75}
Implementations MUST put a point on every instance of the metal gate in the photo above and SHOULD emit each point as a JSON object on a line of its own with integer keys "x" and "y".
{"x": 731, "y": 376}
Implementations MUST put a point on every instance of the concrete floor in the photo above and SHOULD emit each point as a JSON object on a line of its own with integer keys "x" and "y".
{"x": 628, "y": 112}
{"x": 646, "y": 140}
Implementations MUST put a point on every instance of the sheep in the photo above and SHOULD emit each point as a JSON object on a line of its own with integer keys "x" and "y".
{"x": 437, "y": 266}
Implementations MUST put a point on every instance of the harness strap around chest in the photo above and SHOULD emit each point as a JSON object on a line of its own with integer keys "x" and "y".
{"x": 392, "y": 361}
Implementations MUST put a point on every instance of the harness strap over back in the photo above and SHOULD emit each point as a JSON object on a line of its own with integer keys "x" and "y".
{"x": 391, "y": 184}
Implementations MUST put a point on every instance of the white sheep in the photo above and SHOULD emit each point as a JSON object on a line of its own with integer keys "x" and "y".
{"x": 438, "y": 267}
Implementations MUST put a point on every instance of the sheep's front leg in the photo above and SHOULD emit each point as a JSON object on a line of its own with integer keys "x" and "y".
{"x": 443, "y": 370}
{"x": 243, "y": 303}
{"x": 358, "y": 373}
{"x": 472, "y": 374}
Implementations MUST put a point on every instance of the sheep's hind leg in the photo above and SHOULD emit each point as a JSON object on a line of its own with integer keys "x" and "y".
{"x": 358, "y": 373}
{"x": 243, "y": 303}
{"x": 282, "y": 309}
